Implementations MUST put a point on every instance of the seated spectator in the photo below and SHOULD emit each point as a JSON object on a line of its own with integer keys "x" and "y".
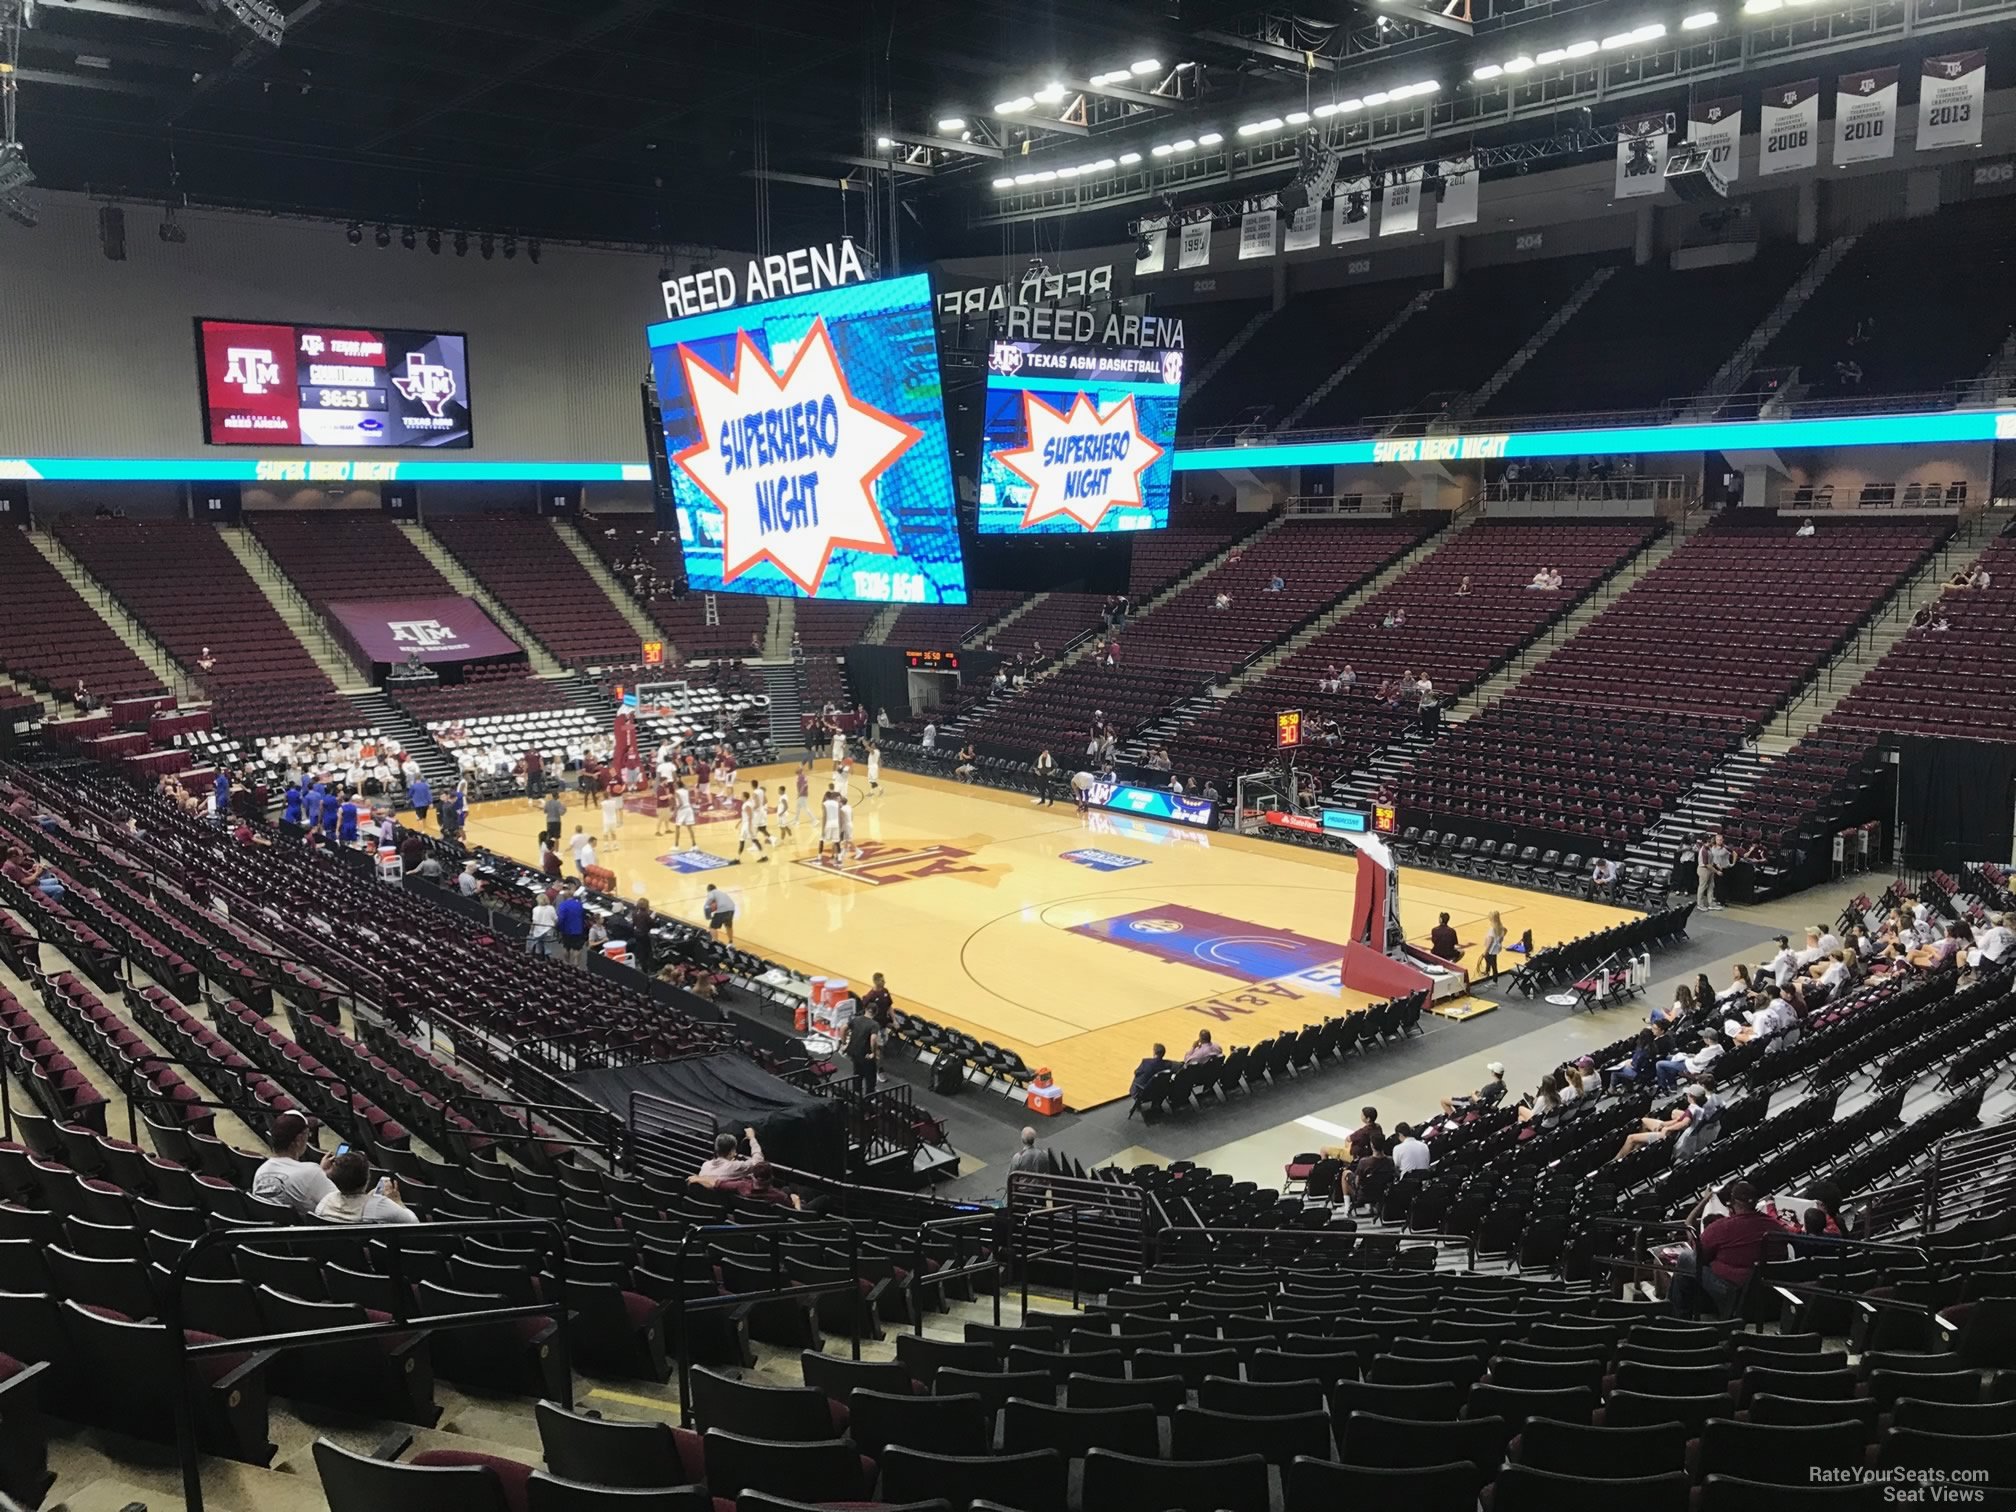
{"x": 1672, "y": 1069}
{"x": 1546, "y": 1100}
{"x": 1806, "y": 526}
{"x": 1408, "y": 1152}
{"x": 354, "y": 1200}
{"x": 1368, "y": 1133}
{"x": 725, "y": 1164}
{"x": 758, "y": 1186}
{"x": 284, "y": 1177}
{"x": 1155, "y": 1063}
{"x": 1640, "y": 1068}
{"x": 1489, "y": 1095}
{"x": 1222, "y": 601}
{"x": 1463, "y": 588}
{"x": 968, "y": 763}
{"x": 1442, "y": 941}
{"x": 1602, "y": 876}
{"x": 1203, "y": 1050}
{"x": 1774, "y": 1017}
{"x": 1739, "y": 984}
{"x": 1656, "y": 1127}
{"x": 1727, "y": 1254}
{"x": 1367, "y": 1178}
{"x": 1276, "y": 583}
{"x": 1993, "y": 943}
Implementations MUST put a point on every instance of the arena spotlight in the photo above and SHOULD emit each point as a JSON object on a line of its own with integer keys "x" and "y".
{"x": 434, "y": 242}
{"x": 354, "y": 233}
{"x": 408, "y": 239}
{"x": 383, "y": 236}
{"x": 487, "y": 245}
{"x": 461, "y": 243}
{"x": 249, "y": 20}
{"x": 15, "y": 174}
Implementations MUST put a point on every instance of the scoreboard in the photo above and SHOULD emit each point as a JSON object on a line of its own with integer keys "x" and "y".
{"x": 300, "y": 385}
{"x": 1287, "y": 729}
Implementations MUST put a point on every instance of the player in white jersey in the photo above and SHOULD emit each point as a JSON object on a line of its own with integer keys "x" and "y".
{"x": 684, "y": 820}
{"x": 874, "y": 768}
{"x": 846, "y": 829}
{"x": 829, "y": 825}
{"x": 839, "y": 747}
{"x": 786, "y": 824}
{"x": 752, "y": 821}
{"x": 762, "y": 809}
{"x": 612, "y": 818}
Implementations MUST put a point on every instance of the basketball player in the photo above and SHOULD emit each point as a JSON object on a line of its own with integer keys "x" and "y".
{"x": 612, "y": 818}
{"x": 703, "y": 777}
{"x": 683, "y": 818}
{"x": 874, "y": 768}
{"x": 829, "y": 825}
{"x": 805, "y": 792}
{"x": 750, "y": 824}
{"x": 846, "y": 830}
{"x": 762, "y": 810}
{"x": 662, "y": 804}
{"x": 786, "y": 825}
{"x": 839, "y": 747}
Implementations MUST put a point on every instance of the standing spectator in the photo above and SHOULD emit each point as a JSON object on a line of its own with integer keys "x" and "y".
{"x": 1046, "y": 777}
{"x": 1031, "y": 1157}
{"x": 571, "y": 921}
{"x": 1494, "y": 940}
{"x": 878, "y": 1004}
{"x": 544, "y": 936}
{"x": 421, "y": 797}
{"x": 863, "y": 1045}
{"x": 718, "y": 908}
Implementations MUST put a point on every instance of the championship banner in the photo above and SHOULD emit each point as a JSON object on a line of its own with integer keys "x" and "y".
{"x": 1194, "y": 250}
{"x": 1256, "y": 234}
{"x": 1865, "y": 116}
{"x": 1305, "y": 229}
{"x": 1351, "y": 211}
{"x": 1641, "y": 156}
{"x": 1716, "y": 127}
{"x": 1155, "y": 237}
{"x": 1789, "y": 139}
{"x": 1459, "y": 193}
{"x": 1402, "y": 211}
{"x": 434, "y": 629}
{"x": 1952, "y": 95}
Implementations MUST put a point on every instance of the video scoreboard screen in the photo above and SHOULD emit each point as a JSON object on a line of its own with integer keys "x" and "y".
{"x": 806, "y": 446}
{"x": 298, "y": 385}
{"x": 1077, "y": 439}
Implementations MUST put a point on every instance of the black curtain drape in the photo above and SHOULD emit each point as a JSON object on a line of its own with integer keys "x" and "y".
{"x": 880, "y": 678}
{"x": 1954, "y": 800}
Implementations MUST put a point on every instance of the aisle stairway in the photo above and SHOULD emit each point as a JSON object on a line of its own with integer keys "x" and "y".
{"x": 780, "y": 681}
{"x": 1485, "y": 392}
{"x": 293, "y": 608}
{"x": 1731, "y": 375}
{"x": 619, "y": 596}
{"x": 464, "y": 583}
{"x": 128, "y": 629}
{"x": 1357, "y": 359}
{"x": 376, "y": 709}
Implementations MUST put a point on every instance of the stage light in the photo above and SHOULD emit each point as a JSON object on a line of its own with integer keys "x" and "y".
{"x": 1698, "y": 20}
{"x": 1145, "y": 66}
{"x": 408, "y": 238}
{"x": 1011, "y": 107}
{"x": 510, "y": 247}
{"x": 1069, "y": 173}
{"x": 486, "y": 245}
{"x": 1552, "y": 56}
{"x": 1104, "y": 165}
{"x": 1324, "y": 111}
{"x": 883, "y": 144}
{"x": 1488, "y": 71}
{"x": 532, "y": 249}
{"x": 1210, "y": 139}
{"x": 1161, "y": 149}
{"x": 254, "y": 20}
{"x": 1651, "y": 31}
{"x": 1761, "y": 7}
{"x": 1350, "y": 105}
{"x": 1249, "y": 128}
{"x": 1004, "y": 184}
{"x": 1272, "y": 123}
{"x": 383, "y": 236}
{"x": 1378, "y": 97}
{"x": 1024, "y": 180}
{"x": 434, "y": 241}
{"x": 1518, "y": 65}
{"x": 1582, "y": 49}
{"x": 1050, "y": 94}
{"x": 354, "y": 233}
{"x": 1130, "y": 158}
{"x": 172, "y": 231}
{"x": 1297, "y": 118}
{"x": 950, "y": 124}
{"x": 1616, "y": 40}
{"x": 462, "y": 248}
{"x": 1046, "y": 177}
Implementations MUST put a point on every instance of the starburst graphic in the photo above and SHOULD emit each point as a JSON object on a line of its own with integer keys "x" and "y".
{"x": 1079, "y": 462}
{"x": 790, "y": 459}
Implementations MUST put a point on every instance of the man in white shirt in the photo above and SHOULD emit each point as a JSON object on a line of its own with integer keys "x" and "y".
{"x": 725, "y": 1164}
{"x": 284, "y": 1177}
{"x": 1774, "y": 1017}
{"x": 1829, "y": 941}
{"x": 1994, "y": 942}
{"x": 582, "y": 848}
{"x": 544, "y": 938}
{"x": 1409, "y": 1153}
{"x": 930, "y": 741}
{"x": 1785, "y": 963}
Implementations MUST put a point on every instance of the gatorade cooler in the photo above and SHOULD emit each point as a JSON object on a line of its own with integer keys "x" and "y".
{"x": 1045, "y": 1096}
{"x": 617, "y": 950}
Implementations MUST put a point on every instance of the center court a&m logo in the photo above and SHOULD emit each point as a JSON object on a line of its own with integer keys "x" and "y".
{"x": 1156, "y": 926}
{"x": 253, "y": 370}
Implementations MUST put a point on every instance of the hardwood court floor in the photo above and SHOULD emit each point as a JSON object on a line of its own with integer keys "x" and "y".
{"x": 1076, "y": 940}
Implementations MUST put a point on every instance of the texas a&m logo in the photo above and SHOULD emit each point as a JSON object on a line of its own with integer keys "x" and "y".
{"x": 428, "y": 383}
{"x": 253, "y": 370}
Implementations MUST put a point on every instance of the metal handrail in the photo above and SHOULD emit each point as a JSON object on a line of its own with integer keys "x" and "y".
{"x": 1356, "y": 1237}
{"x": 940, "y": 1225}
{"x": 395, "y": 1235}
{"x": 780, "y": 1290}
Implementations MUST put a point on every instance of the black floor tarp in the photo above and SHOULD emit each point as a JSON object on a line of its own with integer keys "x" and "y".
{"x": 795, "y": 1127}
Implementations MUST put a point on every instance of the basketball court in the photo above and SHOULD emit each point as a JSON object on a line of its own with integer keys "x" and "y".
{"x": 1077, "y": 940}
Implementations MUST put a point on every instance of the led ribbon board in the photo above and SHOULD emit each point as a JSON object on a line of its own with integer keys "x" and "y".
{"x": 1627, "y": 440}
{"x": 807, "y": 444}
